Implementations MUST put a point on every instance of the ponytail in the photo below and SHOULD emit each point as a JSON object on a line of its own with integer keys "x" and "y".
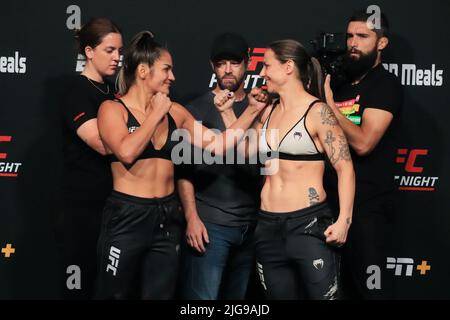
{"x": 142, "y": 49}
{"x": 315, "y": 75}
{"x": 121, "y": 86}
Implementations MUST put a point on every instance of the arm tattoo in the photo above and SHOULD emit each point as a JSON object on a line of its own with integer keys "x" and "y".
{"x": 329, "y": 141}
{"x": 313, "y": 196}
{"x": 328, "y": 116}
{"x": 349, "y": 220}
{"x": 344, "y": 152}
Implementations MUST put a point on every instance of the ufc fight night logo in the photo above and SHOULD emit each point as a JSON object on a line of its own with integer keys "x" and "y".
{"x": 412, "y": 161}
{"x": 7, "y": 169}
{"x": 255, "y": 64}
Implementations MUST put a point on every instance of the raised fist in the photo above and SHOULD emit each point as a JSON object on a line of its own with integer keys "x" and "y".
{"x": 161, "y": 103}
{"x": 224, "y": 100}
{"x": 258, "y": 98}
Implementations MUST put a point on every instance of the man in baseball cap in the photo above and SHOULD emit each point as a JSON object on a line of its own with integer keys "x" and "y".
{"x": 229, "y": 58}
{"x": 229, "y": 46}
{"x": 220, "y": 201}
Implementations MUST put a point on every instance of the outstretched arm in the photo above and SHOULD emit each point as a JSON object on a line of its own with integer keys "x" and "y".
{"x": 218, "y": 143}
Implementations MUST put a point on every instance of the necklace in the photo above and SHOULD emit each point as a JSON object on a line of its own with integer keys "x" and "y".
{"x": 99, "y": 89}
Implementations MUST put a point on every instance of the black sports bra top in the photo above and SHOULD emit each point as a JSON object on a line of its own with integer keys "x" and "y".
{"x": 149, "y": 151}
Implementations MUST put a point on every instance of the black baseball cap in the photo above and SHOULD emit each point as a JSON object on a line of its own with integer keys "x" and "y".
{"x": 229, "y": 46}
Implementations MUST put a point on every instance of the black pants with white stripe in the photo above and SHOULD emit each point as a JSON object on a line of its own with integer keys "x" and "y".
{"x": 293, "y": 259}
{"x": 138, "y": 249}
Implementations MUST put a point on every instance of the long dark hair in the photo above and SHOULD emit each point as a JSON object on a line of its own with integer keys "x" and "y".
{"x": 92, "y": 33}
{"x": 142, "y": 49}
{"x": 309, "y": 70}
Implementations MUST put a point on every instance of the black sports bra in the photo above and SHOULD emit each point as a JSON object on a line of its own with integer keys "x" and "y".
{"x": 149, "y": 151}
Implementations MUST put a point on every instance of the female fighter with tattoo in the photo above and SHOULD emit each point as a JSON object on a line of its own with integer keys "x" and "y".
{"x": 296, "y": 235}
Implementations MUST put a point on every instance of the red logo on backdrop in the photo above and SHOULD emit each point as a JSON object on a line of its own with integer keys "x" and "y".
{"x": 7, "y": 169}
{"x": 255, "y": 65}
{"x": 411, "y": 158}
{"x": 413, "y": 163}
{"x": 4, "y": 139}
{"x": 252, "y": 79}
{"x": 256, "y": 57}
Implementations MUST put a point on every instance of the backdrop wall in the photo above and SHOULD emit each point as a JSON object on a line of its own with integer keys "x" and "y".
{"x": 37, "y": 48}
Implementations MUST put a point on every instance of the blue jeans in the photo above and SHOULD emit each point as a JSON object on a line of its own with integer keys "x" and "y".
{"x": 223, "y": 271}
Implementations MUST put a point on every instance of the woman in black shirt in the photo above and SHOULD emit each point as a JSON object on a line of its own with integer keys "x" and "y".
{"x": 86, "y": 177}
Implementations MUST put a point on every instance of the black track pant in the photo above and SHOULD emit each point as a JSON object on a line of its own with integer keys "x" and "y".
{"x": 293, "y": 259}
{"x": 138, "y": 248}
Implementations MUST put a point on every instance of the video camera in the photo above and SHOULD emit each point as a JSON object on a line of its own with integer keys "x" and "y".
{"x": 330, "y": 48}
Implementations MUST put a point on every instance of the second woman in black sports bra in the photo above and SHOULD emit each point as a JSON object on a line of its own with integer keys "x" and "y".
{"x": 296, "y": 236}
{"x": 138, "y": 249}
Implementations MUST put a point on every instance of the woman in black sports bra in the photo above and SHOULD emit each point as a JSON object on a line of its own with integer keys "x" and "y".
{"x": 296, "y": 236}
{"x": 138, "y": 249}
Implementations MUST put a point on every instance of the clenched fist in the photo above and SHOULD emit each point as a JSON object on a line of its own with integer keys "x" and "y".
{"x": 224, "y": 100}
{"x": 161, "y": 104}
{"x": 258, "y": 98}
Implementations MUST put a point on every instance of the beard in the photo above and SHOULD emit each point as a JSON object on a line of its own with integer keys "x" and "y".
{"x": 232, "y": 86}
{"x": 356, "y": 67}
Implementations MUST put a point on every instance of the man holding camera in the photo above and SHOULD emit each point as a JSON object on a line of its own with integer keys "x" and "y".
{"x": 367, "y": 108}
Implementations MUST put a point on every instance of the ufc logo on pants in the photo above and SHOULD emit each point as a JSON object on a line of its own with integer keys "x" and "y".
{"x": 114, "y": 255}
